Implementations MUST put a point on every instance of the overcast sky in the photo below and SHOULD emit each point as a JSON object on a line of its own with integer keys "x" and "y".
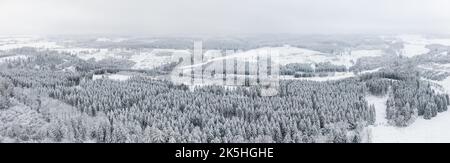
{"x": 223, "y": 17}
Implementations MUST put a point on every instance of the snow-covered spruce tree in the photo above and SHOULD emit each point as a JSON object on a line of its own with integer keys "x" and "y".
{"x": 5, "y": 93}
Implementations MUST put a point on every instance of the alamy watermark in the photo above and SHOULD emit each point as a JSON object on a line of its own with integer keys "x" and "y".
{"x": 229, "y": 68}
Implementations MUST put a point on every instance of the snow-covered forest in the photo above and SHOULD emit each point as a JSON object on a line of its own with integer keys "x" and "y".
{"x": 119, "y": 92}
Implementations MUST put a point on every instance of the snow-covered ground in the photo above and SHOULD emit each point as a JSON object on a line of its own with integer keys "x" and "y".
{"x": 286, "y": 54}
{"x": 446, "y": 84}
{"x": 370, "y": 71}
{"x": 14, "y": 43}
{"x": 348, "y": 60}
{"x": 115, "y": 40}
{"x": 413, "y": 49}
{"x": 436, "y": 130}
{"x": 77, "y": 51}
{"x": 118, "y": 77}
{"x": 289, "y": 55}
{"x": 99, "y": 55}
{"x": 337, "y": 76}
{"x": 380, "y": 109}
{"x": 416, "y": 44}
{"x": 156, "y": 58}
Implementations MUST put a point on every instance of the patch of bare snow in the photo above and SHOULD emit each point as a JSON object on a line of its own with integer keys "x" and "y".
{"x": 336, "y": 76}
{"x": 416, "y": 44}
{"x": 154, "y": 59}
{"x": 371, "y": 71}
{"x": 380, "y": 108}
{"x": 70, "y": 69}
{"x": 436, "y": 130}
{"x": 77, "y": 51}
{"x": 117, "y": 77}
{"x": 445, "y": 84}
{"x": 115, "y": 40}
{"x": 99, "y": 55}
{"x": 349, "y": 60}
{"x": 37, "y": 44}
{"x": 413, "y": 49}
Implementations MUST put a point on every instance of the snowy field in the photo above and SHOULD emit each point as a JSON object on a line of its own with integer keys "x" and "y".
{"x": 436, "y": 130}
{"x": 380, "y": 106}
{"x": 20, "y": 42}
{"x": 286, "y": 55}
{"x": 155, "y": 58}
{"x": 416, "y": 45}
{"x": 289, "y": 55}
{"x": 102, "y": 54}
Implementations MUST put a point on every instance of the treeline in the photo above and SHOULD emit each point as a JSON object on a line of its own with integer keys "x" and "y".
{"x": 32, "y": 78}
{"x": 310, "y": 70}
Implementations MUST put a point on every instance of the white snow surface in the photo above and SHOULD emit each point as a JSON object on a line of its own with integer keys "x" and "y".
{"x": 150, "y": 60}
{"x": 380, "y": 108}
{"x": 289, "y": 55}
{"x": 413, "y": 49}
{"x": 99, "y": 55}
{"x": 117, "y": 77}
{"x": 337, "y": 76}
{"x": 286, "y": 54}
{"x": 416, "y": 44}
{"x": 14, "y": 43}
{"x": 115, "y": 40}
{"x": 436, "y": 130}
{"x": 371, "y": 71}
